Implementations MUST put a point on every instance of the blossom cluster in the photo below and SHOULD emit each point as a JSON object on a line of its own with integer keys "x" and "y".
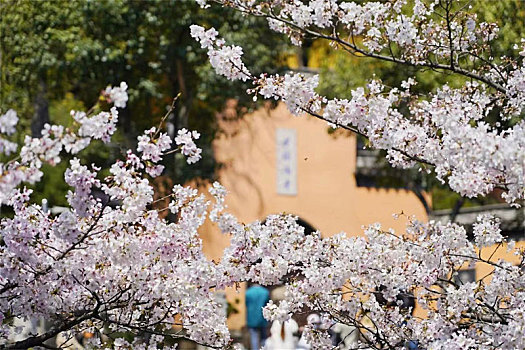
{"x": 152, "y": 149}
{"x": 110, "y": 264}
{"x": 361, "y": 281}
{"x": 54, "y": 139}
{"x": 98, "y": 127}
{"x": 185, "y": 139}
{"x": 8, "y": 122}
{"x": 103, "y": 259}
{"x": 448, "y": 130}
{"x": 225, "y": 59}
{"x": 117, "y": 94}
{"x": 420, "y": 30}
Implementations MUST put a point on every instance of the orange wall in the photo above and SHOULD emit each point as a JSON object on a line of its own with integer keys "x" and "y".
{"x": 327, "y": 195}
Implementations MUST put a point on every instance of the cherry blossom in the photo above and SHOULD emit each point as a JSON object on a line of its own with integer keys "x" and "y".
{"x": 8, "y": 122}
{"x": 117, "y": 95}
{"x": 446, "y": 131}
{"x": 114, "y": 265}
{"x": 358, "y": 281}
{"x": 110, "y": 264}
{"x": 184, "y": 139}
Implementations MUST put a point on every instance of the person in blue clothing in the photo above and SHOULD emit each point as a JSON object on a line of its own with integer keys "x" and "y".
{"x": 256, "y": 298}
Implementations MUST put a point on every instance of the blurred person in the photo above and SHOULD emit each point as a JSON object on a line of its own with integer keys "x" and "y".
{"x": 283, "y": 335}
{"x": 256, "y": 298}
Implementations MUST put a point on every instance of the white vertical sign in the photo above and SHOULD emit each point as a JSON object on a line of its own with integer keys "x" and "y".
{"x": 286, "y": 161}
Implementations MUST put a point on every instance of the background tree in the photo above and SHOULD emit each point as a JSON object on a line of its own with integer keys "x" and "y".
{"x": 56, "y": 55}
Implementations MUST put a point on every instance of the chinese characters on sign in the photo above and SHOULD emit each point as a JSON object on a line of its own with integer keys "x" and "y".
{"x": 286, "y": 161}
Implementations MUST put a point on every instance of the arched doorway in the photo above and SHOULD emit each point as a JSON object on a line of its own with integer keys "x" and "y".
{"x": 277, "y": 292}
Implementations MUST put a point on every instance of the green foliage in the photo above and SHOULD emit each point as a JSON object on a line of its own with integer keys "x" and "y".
{"x": 79, "y": 47}
{"x": 52, "y": 187}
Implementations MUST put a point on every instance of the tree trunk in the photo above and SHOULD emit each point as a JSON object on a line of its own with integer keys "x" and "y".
{"x": 41, "y": 114}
